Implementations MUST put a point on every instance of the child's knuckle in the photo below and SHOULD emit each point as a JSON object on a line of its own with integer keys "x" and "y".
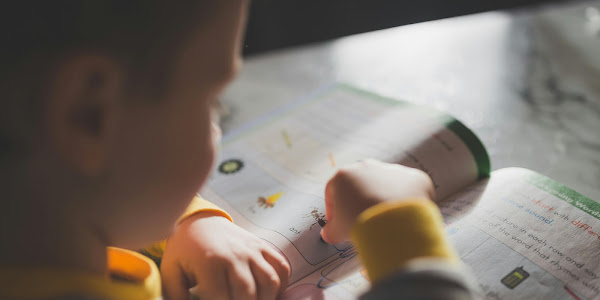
{"x": 285, "y": 266}
{"x": 246, "y": 288}
{"x": 273, "y": 282}
{"x": 343, "y": 175}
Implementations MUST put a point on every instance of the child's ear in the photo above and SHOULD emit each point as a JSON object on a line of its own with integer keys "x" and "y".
{"x": 82, "y": 110}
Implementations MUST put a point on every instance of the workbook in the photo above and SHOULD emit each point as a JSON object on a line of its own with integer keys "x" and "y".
{"x": 523, "y": 235}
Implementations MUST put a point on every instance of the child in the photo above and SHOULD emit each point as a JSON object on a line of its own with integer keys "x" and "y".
{"x": 105, "y": 135}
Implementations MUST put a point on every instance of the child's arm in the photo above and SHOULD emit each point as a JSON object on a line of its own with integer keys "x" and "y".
{"x": 157, "y": 250}
{"x": 219, "y": 260}
{"x": 388, "y": 213}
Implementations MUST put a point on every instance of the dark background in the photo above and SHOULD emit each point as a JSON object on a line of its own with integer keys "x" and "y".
{"x": 275, "y": 24}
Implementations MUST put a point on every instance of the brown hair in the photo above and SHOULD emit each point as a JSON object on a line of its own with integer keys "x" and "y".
{"x": 36, "y": 34}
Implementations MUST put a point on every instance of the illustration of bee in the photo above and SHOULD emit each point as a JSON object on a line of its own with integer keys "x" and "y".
{"x": 269, "y": 201}
{"x": 262, "y": 202}
{"x": 318, "y": 217}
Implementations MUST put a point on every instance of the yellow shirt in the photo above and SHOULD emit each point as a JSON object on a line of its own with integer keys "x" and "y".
{"x": 133, "y": 276}
{"x": 143, "y": 280}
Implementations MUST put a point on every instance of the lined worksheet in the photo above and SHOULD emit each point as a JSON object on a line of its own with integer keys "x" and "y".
{"x": 527, "y": 237}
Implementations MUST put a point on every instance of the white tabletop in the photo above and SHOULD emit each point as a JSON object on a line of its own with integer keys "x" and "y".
{"x": 526, "y": 82}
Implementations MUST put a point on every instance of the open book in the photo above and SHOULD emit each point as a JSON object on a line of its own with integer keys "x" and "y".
{"x": 523, "y": 235}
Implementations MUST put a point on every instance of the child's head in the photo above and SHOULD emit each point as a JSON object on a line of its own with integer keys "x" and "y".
{"x": 105, "y": 115}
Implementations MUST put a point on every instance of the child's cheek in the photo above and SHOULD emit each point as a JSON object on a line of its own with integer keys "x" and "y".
{"x": 206, "y": 155}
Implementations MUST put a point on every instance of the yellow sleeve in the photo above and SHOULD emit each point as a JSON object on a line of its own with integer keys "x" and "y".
{"x": 156, "y": 251}
{"x": 390, "y": 234}
{"x": 200, "y": 205}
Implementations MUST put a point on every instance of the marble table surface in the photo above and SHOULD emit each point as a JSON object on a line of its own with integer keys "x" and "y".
{"x": 527, "y": 82}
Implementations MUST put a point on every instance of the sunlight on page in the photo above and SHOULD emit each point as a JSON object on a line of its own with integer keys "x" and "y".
{"x": 271, "y": 177}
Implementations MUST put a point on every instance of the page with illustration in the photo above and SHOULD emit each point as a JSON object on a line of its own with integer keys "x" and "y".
{"x": 523, "y": 236}
{"x": 271, "y": 175}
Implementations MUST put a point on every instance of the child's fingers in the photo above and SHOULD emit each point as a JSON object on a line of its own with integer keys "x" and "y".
{"x": 241, "y": 282}
{"x": 329, "y": 201}
{"x": 334, "y": 232}
{"x": 215, "y": 286}
{"x": 267, "y": 279}
{"x": 281, "y": 266}
{"x": 174, "y": 282}
{"x": 326, "y": 233}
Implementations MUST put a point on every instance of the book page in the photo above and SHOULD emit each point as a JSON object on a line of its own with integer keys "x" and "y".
{"x": 523, "y": 236}
{"x": 526, "y": 236}
{"x": 271, "y": 175}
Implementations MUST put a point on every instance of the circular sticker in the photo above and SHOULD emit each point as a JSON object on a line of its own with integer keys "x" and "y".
{"x": 231, "y": 166}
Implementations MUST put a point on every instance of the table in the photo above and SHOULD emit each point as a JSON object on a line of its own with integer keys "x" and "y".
{"x": 526, "y": 82}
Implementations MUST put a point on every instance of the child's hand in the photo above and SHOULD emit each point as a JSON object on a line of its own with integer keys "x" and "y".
{"x": 222, "y": 261}
{"x": 364, "y": 184}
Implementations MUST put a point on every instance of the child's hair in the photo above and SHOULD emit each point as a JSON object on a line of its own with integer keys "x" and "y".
{"x": 37, "y": 34}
